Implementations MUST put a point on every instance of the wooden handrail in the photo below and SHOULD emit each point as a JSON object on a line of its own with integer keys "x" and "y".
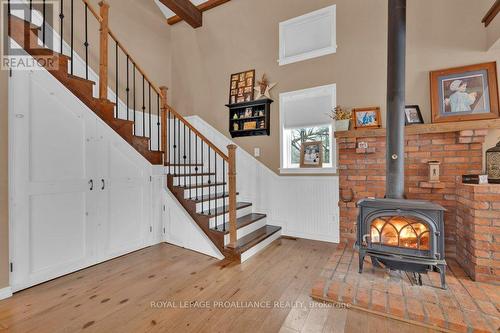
{"x": 164, "y": 108}
{"x": 137, "y": 66}
{"x": 93, "y": 11}
{"x": 492, "y": 13}
{"x": 232, "y": 196}
{"x": 201, "y": 136}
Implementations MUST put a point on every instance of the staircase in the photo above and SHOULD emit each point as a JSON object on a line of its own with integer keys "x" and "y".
{"x": 199, "y": 174}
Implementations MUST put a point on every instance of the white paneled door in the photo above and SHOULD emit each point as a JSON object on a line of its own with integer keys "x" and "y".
{"x": 79, "y": 193}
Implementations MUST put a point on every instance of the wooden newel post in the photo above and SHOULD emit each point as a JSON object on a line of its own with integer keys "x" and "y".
{"x": 103, "y": 50}
{"x": 232, "y": 195}
{"x": 164, "y": 110}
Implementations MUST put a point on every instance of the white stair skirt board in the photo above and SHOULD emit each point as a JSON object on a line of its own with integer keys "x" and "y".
{"x": 5, "y": 293}
{"x": 260, "y": 246}
{"x": 182, "y": 230}
{"x": 246, "y": 230}
{"x": 304, "y": 206}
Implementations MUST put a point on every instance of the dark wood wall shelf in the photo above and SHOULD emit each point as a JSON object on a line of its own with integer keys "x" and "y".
{"x": 254, "y": 113}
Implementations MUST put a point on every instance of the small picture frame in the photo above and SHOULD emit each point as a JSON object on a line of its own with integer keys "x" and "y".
{"x": 367, "y": 117}
{"x": 248, "y": 113}
{"x": 311, "y": 154}
{"x": 413, "y": 115}
{"x": 241, "y": 87}
{"x": 250, "y": 125}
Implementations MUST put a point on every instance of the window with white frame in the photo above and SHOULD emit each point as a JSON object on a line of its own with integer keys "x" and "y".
{"x": 304, "y": 117}
{"x": 308, "y": 36}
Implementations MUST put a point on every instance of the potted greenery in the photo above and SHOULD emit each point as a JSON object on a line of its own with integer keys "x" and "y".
{"x": 342, "y": 117}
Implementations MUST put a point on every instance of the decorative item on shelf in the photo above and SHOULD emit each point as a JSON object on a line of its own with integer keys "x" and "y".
{"x": 235, "y": 117}
{"x": 311, "y": 154}
{"x": 264, "y": 88}
{"x": 434, "y": 172}
{"x": 413, "y": 115}
{"x": 475, "y": 179}
{"x": 241, "y": 87}
{"x": 236, "y": 126}
{"x": 248, "y": 113}
{"x": 250, "y": 125}
{"x": 363, "y": 145}
{"x": 262, "y": 124}
{"x": 464, "y": 93}
{"x": 493, "y": 164}
{"x": 367, "y": 117}
{"x": 342, "y": 117}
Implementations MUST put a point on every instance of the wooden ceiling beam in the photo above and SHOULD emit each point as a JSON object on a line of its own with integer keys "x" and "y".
{"x": 201, "y": 7}
{"x": 490, "y": 15}
{"x": 186, "y": 11}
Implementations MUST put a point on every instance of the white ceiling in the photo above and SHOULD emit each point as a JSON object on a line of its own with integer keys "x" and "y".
{"x": 168, "y": 13}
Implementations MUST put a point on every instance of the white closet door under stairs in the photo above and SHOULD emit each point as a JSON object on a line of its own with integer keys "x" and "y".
{"x": 80, "y": 193}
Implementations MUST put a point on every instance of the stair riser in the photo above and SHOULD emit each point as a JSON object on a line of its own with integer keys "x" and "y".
{"x": 213, "y": 203}
{"x": 260, "y": 246}
{"x": 205, "y": 190}
{"x": 180, "y": 181}
{"x": 246, "y": 230}
{"x": 188, "y": 169}
{"x": 239, "y": 213}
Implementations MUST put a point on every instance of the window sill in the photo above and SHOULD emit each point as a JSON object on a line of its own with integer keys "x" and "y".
{"x": 308, "y": 171}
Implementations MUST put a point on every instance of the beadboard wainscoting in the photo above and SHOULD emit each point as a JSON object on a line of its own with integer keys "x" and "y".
{"x": 304, "y": 206}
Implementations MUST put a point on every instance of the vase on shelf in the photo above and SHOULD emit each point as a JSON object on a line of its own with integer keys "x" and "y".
{"x": 342, "y": 125}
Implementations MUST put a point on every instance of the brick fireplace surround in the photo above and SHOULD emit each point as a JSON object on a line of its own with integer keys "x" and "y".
{"x": 472, "y": 220}
{"x": 471, "y": 302}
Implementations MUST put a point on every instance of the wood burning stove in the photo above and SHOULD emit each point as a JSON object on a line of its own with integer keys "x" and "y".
{"x": 401, "y": 234}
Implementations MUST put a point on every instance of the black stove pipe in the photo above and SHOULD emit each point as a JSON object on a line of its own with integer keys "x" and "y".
{"x": 396, "y": 54}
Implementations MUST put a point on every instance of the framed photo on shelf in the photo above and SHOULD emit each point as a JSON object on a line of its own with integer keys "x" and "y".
{"x": 413, "y": 115}
{"x": 311, "y": 154}
{"x": 366, "y": 117}
{"x": 464, "y": 93}
{"x": 241, "y": 87}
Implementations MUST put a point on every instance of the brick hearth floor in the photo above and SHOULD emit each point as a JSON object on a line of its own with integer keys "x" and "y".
{"x": 466, "y": 306}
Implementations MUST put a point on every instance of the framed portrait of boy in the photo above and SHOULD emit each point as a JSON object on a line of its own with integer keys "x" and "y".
{"x": 311, "y": 154}
{"x": 464, "y": 93}
{"x": 413, "y": 115}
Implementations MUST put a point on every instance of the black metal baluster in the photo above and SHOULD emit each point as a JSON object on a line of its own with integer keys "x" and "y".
{"x": 209, "y": 182}
{"x": 149, "y": 104}
{"x": 143, "y": 107}
{"x": 72, "y": 36}
{"x": 215, "y": 189}
{"x": 202, "y": 188}
{"x": 224, "y": 194}
{"x": 179, "y": 150}
{"x": 128, "y": 89}
{"x": 159, "y": 121}
{"x": 86, "y": 44}
{"x": 196, "y": 162}
{"x": 61, "y": 21}
{"x": 116, "y": 79}
{"x": 189, "y": 178}
{"x": 175, "y": 148}
{"x": 133, "y": 77}
{"x": 168, "y": 140}
{"x": 43, "y": 22}
{"x": 184, "y": 153}
{"x": 31, "y": 10}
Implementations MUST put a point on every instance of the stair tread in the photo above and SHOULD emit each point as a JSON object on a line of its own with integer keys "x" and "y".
{"x": 242, "y": 222}
{"x": 216, "y": 211}
{"x": 71, "y": 76}
{"x": 254, "y": 238}
{"x": 210, "y": 197}
{"x": 194, "y": 174}
{"x": 192, "y": 186}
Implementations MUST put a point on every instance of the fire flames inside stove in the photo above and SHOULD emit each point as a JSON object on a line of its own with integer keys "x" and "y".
{"x": 399, "y": 231}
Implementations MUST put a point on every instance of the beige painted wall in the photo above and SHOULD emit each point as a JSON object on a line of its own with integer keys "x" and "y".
{"x": 244, "y": 34}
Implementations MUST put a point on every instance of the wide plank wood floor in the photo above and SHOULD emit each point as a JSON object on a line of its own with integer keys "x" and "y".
{"x": 126, "y": 295}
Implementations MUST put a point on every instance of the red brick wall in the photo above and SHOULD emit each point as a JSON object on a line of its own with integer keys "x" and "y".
{"x": 478, "y": 231}
{"x": 363, "y": 172}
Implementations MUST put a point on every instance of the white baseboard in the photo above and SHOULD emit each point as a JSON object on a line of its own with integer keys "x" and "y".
{"x": 5, "y": 293}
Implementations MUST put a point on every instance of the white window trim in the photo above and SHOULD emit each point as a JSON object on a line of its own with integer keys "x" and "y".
{"x": 330, "y": 168}
{"x": 284, "y": 60}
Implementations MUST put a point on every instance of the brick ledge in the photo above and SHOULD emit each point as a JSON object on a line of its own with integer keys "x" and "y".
{"x": 425, "y": 128}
